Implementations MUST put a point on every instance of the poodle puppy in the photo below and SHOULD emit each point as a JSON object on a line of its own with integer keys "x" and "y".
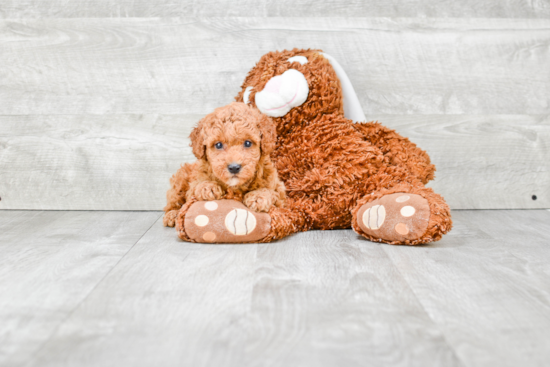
{"x": 232, "y": 146}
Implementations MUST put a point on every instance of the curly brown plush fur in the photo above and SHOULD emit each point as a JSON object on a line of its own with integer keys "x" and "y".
{"x": 245, "y": 137}
{"x": 333, "y": 168}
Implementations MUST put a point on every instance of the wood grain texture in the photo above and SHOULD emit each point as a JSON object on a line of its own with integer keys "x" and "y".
{"x": 331, "y": 298}
{"x": 484, "y": 162}
{"x": 124, "y": 162}
{"x": 319, "y": 298}
{"x": 102, "y": 162}
{"x": 168, "y": 303}
{"x": 97, "y": 111}
{"x": 272, "y": 8}
{"x": 192, "y": 65}
{"x": 10, "y": 217}
{"x": 49, "y": 263}
{"x": 487, "y": 286}
{"x": 479, "y": 297}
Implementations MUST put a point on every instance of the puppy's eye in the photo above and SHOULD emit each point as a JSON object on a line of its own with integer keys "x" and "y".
{"x": 218, "y": 145}
{"x": 247, "y": 144}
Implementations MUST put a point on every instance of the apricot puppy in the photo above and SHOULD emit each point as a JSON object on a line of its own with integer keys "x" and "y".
{"x": 232, "y": 146}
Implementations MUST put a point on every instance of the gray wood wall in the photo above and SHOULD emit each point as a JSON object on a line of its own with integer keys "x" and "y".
{"x": 97, "y": 97}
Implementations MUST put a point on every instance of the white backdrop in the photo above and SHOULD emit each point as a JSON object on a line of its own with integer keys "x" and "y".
{"x": 97, "y": 98}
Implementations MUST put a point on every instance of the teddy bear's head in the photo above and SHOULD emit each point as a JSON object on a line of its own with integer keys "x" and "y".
{"x": 294, "y": 87}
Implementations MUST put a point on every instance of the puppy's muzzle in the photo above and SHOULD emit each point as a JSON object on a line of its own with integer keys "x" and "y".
{"x": 234, "y": 168}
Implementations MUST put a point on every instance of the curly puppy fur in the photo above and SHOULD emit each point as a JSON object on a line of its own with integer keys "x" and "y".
{"x": 235, "y": 134}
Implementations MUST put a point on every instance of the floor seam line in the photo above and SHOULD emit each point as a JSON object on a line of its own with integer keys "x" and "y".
{"x": 443, "y": 334}
{"x": 89, "y": 293}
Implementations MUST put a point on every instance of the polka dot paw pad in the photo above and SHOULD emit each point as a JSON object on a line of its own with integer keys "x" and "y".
{"x": 225, "y": 221}
{"x": 395, "y": 217}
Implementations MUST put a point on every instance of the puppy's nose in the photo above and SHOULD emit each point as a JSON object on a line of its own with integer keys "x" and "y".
{"x": 234, "y": 168}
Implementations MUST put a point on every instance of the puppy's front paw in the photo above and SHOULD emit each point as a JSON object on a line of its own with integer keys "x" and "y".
{"x": 169, "y": 219}
{"x": 208, "y": 191}
{"x": 259, "y": 200}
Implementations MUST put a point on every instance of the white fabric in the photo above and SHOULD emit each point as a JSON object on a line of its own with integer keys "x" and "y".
{"x": 352, "y": 107}
{"x": 301, "y": 59}
{"x": 282, "y": 93}
{"x": 246, "y": 94}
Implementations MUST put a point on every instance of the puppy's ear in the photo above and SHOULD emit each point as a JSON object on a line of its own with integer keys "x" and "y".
{"x": 197, "y": 140}
{"x": 269, "y": 134}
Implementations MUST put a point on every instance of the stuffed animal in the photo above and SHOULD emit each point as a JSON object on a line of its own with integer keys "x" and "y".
{"x": 339, "y": 171}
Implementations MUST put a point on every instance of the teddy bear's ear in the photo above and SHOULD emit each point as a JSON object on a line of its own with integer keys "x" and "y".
{"x": 269, "y": 134}
{"x": 197, "y": 140}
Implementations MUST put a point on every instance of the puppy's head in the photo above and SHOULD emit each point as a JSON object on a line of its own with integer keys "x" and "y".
{"x": 233, "y": 140}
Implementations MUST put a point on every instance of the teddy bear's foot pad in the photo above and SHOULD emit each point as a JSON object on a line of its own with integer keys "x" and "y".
{"x": 395, "y": 217}
{"x": 225, "y": 221}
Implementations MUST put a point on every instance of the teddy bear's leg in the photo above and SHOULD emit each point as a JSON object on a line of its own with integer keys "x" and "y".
{"x": 408, "y": 214}
{"x": 398, "y": 150}
{"x": 229, "y": 221}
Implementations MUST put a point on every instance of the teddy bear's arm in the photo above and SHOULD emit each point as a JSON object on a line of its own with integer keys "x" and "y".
{"x": 398, "y": 150}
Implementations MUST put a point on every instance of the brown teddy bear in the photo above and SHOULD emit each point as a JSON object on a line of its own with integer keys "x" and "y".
{"x": 339, "y": 171}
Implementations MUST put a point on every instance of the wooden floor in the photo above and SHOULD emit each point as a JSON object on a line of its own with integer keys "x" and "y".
{"x": 119, "y": 289}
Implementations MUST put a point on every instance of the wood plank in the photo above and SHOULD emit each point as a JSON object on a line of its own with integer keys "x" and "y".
{"x": 167, "y": 303}
{"x": 315, "y": 297}
{"x": 9, "y": 218}
{"x": 97, "y": 162}
{"x": 271, "y": 8}
{"x": 124, "y": 162}
{"x": 18, "y": 223}
{"x": 331, "y": 298}
{"x": 49, "y": 263}
{"x": 479, "y": 297}
{"x": 490, "y": 296}
{"x": 484, "y": 162}
{"x": 192, "y": 65}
